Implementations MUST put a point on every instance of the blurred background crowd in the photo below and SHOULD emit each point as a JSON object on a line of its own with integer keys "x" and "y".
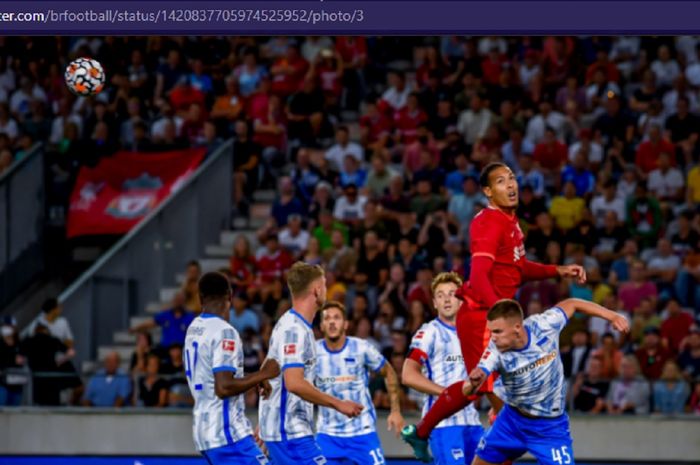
{"x": 373, "y": 146}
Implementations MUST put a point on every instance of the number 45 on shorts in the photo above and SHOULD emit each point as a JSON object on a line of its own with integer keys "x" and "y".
{"x": 561, "y": 455}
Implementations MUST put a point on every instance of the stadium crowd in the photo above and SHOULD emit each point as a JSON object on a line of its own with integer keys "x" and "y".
{"x": 374, "y": 146}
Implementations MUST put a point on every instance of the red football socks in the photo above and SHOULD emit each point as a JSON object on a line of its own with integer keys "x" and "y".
{"x": 449, "y": 402}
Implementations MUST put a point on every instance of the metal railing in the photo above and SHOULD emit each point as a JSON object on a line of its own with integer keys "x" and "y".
{"x": 130, "y": 275}
{"x": 22, "y": 212}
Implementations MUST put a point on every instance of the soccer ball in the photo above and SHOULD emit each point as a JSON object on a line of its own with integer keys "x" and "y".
{"x": 85, "y": 76}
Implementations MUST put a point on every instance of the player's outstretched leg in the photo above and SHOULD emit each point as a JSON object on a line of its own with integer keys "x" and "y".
{"x": 451, "y": 401}
{"x": 420, "y": 446}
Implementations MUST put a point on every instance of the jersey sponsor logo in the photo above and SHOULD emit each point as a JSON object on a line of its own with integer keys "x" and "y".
{"x": 454, "y": 358}
{"x": 196, "y": 330}
{"x": 336, "y": 379}
{"x": 547, "y": 359}
{"x": 290, "y": 349}
{"x": 228, "y": 345}
{"x": 518, "y": 252}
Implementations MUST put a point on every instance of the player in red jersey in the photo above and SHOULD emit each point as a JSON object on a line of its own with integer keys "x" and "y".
{"x": 498, "y": 269}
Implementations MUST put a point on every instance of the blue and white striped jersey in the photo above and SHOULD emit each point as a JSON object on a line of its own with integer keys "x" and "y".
{"x": 533, "y": 377}
{"x": 436, "y": 346}
{"x": 345, "y": 374}
{"x": 213, "y": 345}
{"x": 283, "y": 415}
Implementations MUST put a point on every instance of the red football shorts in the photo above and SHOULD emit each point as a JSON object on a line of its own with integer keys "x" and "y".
{"x": 474, "y": 337}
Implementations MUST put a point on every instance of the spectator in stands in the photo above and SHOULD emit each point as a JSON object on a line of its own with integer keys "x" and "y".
{"x": 245, "y": 165}
{"x": 547, "y": 118}
{"x": 590, "y": 389}
{"x": 43, "y": 353}
{"x": 174, "y": 369}
{"x": 652, "y": 355}
{"x": 609, "y": 355}
{"x": 474, "y": 122}
{"x": 152, "y": 390}
{"x": 665, "y": 182}
{"x": 144, "y": 346}
{"x": 676, "y": 326}
{"x": 51, "y": 318}
{"x": 349, "y": 208}
{"x": 173, "y": 323}
{"x": 544, "y": 233}
{"x": 575, "y": 357}
{"x": 649, "y": 151}
{"x": 670, "y": 391}
{"x": 607, "y": 202}
{"x": 567, "y": 209}
{"x": 293, "y": 238}
{"x": 11, "y": 387}
{"x": 342, "y": 148}
{"x": 396, "y": 96}
{"x": 637, "y": 288}
{"x": 550, "y": 154}
{"x": 243, "y": 265}
{"x": 629, "y": 393}
{"x": 352, "y": 173}
{"x": 109, "y": 387}
{"x": 644, "y": 316}
{"x": 682, "y": 128}
{"x": 663, "y": 268}
{"x": 272, "y": 264}
{"x": 241, "y": 317}
{"x": 643, "y": 217}
{"x": 286, "y": 204}
{"x": 689, "y": 360}
{"x": 462, "y": 205}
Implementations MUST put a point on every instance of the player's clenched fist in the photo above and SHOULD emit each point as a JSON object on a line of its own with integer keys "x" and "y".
{"x": 477, "y": 376}
{"x": 349, "y": 408}
{"x": 620, "y": 323}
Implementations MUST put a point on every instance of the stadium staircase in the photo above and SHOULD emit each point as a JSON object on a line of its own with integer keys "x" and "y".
{"x": 216, "y": 257}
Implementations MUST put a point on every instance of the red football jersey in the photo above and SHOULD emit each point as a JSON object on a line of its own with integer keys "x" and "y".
{"x": 498, "y": 236}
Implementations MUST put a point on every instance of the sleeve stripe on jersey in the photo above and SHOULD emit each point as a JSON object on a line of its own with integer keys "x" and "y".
{"x": 293, "y": 365}
{"x": 566, "y": 317}
{"x": 486, "y": 370}
{"x": 381, "y": 365}
{"x": 224, "y": 368}
{"x": 418, "y": 355}
{"x": 484, "y": 254}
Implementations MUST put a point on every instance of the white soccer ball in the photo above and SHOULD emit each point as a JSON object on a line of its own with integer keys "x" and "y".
{"x": 85, "y": 76}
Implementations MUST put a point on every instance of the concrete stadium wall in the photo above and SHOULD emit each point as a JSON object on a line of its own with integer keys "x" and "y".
{"x": 162, "y": 432}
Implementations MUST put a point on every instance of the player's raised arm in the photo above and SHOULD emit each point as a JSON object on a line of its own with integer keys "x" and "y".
{"x": 571, "y": 306}
{"x": 295, "y": 383}
{"x": 226, "y": 385}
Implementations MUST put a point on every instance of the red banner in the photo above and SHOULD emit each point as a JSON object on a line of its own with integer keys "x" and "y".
{"x": 122, "y": 189}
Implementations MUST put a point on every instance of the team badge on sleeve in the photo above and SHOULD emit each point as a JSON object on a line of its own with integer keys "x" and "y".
{"x": 290, "y": 349}
{"x": 419, "y": 334}
{"x": 229, "y": 345}
{"x": 486, "y": 355}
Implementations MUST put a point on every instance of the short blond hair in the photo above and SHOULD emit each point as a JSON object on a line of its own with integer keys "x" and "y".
{"x": 300, "y": 277}
{"x": 445, "y": 278}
